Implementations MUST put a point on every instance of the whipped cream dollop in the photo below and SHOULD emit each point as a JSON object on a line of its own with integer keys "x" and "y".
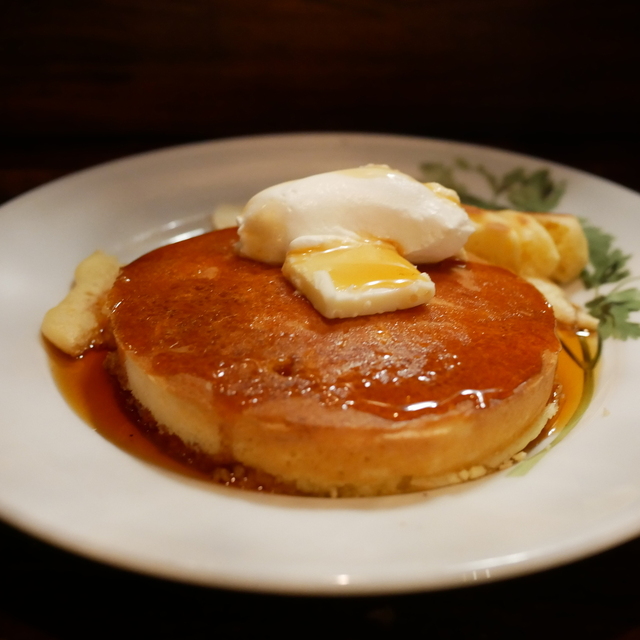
{"x": 425, "y": 223}
{"x": 349, "y": 240}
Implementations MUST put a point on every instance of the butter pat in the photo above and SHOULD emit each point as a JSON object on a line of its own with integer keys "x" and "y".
{"x": 347, "y": 279}
{"x": 75, "y": 323}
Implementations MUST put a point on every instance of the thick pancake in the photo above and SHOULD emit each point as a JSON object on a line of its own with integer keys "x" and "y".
{"x": 227, "y": 356}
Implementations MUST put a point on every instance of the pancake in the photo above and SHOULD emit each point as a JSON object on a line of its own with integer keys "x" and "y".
{"x": 225, "y": 355}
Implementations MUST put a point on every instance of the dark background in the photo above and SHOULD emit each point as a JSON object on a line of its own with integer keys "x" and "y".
{"x": 84, "y": 82}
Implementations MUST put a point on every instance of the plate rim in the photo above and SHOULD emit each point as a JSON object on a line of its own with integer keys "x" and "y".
{"x": 505, "y": 572}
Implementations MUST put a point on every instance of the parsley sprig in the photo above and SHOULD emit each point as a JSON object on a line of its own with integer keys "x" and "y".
{"x": 608, "y": 265}
{"x": 613, "y": 311}
{"x": 516, "y": 189}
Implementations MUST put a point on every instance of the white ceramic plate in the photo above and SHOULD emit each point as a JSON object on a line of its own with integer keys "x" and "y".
{"x": 63, "y": 482}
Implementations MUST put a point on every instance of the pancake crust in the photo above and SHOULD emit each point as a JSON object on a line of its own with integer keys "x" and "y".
{"x": 226, "y": 355}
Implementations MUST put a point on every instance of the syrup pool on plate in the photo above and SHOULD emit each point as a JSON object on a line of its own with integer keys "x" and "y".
{"x": 97, "y": 399}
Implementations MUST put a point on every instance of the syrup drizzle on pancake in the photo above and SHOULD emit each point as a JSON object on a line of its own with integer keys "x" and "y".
{"x": 197, "y": 309}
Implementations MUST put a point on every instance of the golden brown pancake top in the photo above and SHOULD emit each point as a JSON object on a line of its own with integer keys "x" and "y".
{"x": 196, "y": 308}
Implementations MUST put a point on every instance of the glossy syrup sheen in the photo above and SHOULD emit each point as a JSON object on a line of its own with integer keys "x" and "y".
{"x": 195, "y": 308}
{"x": 568, "y": 391}
{"x": 576, "y": 373}
{"x": 369, "y": 265}
{"x": 96, "y": 398}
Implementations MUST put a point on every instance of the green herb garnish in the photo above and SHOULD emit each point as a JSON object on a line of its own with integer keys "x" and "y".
{"x": 607, "y": 265}
{"x": 535, "y": 191}
{"x": 613, "y": 311}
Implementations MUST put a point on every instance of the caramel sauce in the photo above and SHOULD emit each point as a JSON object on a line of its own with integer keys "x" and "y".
{"x": 570, "y": 379}
{"x": 184, "y": 310}
{"x": 98, "y": 400}
{"x": 575, "y": 376}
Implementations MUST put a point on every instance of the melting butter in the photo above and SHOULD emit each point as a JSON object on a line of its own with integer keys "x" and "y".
{"x": 347, "y": 279}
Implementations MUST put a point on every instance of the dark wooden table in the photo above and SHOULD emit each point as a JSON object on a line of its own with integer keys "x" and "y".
{"x": 48, "y": 593}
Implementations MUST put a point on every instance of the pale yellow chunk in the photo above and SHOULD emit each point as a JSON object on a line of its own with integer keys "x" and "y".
{"x": 353, "y": 279}
{"x": 75, "y": 323}
{"x": 534, "y": 245}
{"x": 563, "y": 309}
{"x": 515, "y": 241}
{"x": 570, "y": 241}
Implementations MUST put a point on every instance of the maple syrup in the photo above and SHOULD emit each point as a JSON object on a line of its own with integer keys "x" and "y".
{"x": 183, "y": 309}
{"x": 95, "y": 396}
{"x": 575, "y": 378}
